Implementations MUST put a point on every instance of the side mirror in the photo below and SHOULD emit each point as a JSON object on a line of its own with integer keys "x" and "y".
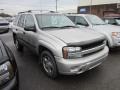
{"x": 32, "y": 28}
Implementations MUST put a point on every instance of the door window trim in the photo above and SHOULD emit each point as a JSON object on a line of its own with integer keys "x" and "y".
{"x": 23, "y": 21}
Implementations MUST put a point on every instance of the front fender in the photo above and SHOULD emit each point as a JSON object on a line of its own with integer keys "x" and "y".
{"x": 109, "y": 39}
{"x": 55, "y": 51}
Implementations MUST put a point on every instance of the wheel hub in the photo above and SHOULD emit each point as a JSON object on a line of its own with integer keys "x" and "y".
{"x": 48, "y": 66}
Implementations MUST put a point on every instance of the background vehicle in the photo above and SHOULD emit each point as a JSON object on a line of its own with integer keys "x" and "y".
{"x": 10, "y": 25}
{"x": 93, "y": 22}
{"x": 8, "y": 69}
{"x": 62, "y": 47}
{"x": 9, "y": 19}
{"x": 112, "y": 20}
{"x": 4, "y": 25}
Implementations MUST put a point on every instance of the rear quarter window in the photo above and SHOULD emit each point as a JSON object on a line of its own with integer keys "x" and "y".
{"x": 16, "y": 19}
{"x": 72, "y": 18}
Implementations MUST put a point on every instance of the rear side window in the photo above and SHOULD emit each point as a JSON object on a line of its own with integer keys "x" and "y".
{"x": 72, "y": 18}
{"x": 29, "y": 21}
{"x": 81, "y": 21}
{"x": 21, "y": 21}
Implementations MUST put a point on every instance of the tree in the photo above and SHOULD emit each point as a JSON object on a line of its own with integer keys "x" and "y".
{"x": 4, "y": 15}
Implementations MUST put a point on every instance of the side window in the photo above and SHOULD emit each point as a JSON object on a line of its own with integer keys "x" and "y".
{"x": 81, "y": 21}
{"x": 21, "y": 21}
{"x": 72, "y": 18}
{"x": 112, "y": 21}
{"x": 106, "y": 21}
{"x": 29, "y": 21}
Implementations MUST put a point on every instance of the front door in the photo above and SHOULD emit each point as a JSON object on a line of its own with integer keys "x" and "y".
{"x": 31, "y": 36}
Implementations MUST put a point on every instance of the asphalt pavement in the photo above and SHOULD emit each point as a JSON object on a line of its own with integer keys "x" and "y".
{"x": 104, "y": 77}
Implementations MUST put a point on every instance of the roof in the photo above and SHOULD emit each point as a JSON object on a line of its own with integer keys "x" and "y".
{"x": 97, "y": 2}
{"x": 38, "y": 12}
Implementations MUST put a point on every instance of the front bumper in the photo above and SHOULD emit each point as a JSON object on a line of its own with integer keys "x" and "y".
{"x": 11, "y": 85}
{"x": 116, "y": 42}
{"x": 80, "y": 65}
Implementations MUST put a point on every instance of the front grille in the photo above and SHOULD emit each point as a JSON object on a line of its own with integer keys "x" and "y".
{"x": 92, "y": 48}
{"x": 92, "y": 45}
{"x": 87, "y": 54}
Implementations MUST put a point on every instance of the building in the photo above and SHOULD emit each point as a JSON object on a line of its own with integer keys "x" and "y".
{"x": 99, "y": 7}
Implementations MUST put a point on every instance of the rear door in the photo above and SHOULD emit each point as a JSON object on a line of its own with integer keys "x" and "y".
{"x": 20, "y": 29}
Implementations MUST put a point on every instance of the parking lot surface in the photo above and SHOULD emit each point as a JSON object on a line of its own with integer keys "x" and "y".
{"x": 104, "y": 77}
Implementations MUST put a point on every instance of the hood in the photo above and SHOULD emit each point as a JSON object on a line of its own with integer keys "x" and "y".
{"x": 107, "y": 28}
{"x": 76, "y": 35}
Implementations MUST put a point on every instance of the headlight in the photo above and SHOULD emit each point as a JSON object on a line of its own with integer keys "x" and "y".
{"x": 116, "y": 34}
{"x": 72, "y": 52}
{"x": 6, "y": 72}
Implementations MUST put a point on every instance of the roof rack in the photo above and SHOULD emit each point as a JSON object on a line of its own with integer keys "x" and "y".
{"x": 41, "y": 11}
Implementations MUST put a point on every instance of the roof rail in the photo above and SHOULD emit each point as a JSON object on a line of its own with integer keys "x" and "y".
{"x": 23, "y": 12}
{"x": 41, "y": 11}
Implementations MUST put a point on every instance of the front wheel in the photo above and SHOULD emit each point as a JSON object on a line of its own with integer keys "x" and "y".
{"x": 49, "y": 64}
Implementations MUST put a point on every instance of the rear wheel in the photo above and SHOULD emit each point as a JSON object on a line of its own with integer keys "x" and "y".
{"x": 18, "y": 46}
{"x": 49, "y": 64}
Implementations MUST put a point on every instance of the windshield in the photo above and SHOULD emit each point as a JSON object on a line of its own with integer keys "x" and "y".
{"x": 53, "y": 21}
{"x": 118, "y": 21}
{"x": 95, "y": 20}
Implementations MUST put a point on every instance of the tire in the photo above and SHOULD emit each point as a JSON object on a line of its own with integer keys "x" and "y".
{"x": 108, "y": 44}
{"x": 48, "y": 64}
{"x": 18, "y": 46}
{"x": 16, "y": 88}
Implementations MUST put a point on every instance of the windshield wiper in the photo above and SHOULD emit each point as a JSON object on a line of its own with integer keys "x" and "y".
{"x": 49, "y": 27}
{"x": 68, "y": 26}
{"x": 99, "y": 24}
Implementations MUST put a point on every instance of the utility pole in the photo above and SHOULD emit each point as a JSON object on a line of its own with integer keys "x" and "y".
{"x": 90, "y": 6}
{"x": 56, "y": 5}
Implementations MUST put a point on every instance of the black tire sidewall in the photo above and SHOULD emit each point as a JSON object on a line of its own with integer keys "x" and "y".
{"x": 20, "y": 47}
{"x": 55, "y": 72}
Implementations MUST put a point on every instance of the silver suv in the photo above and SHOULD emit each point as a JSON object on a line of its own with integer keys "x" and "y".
{"x": 61, "y": 46}
{"x": 93, "y": 22}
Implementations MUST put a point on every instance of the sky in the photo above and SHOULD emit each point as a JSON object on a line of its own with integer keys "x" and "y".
{"x": 15, "y": 6}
